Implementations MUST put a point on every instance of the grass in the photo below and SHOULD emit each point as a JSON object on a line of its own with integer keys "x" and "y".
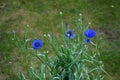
{"x": 43, "y": 17}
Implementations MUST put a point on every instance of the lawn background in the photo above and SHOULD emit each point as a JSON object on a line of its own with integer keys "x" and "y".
{"x": 43, "y": 17}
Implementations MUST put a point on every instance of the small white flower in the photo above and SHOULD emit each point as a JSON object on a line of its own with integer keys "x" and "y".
{"x": 62, "y": 45}
{"x": 39, "y": 54}
{"x": 47, "y": 51}
{"x": 14, "y": 31}
{"x": 79, "y": 20}
{"x": 31, "y": 68}
{"x": 12, "y": 39}
{"x": 100, "y": 62}
{"x": 112, "y": 6}
{"x": 10, "y": 63}
{"x": 89, "y": 23}
{"x": 75, "y": 73}
{"x": 27, "y": 25}
{"x": 48, "y": 35}
{"x": 80, "y": 14}
{"x": 61, "y": 13}
{"x": 44, "y": 35}
{"x": 27, "y": 40}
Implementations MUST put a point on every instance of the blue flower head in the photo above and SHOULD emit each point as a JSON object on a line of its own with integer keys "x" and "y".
{"x": 87, "y": 41}
{"x": 69, "y": 34}
{"x": 89, "y": 33}
{"x": 37, "y": 44}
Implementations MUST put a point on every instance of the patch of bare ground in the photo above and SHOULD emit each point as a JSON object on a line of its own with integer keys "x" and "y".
{"x": 3, "y": 76}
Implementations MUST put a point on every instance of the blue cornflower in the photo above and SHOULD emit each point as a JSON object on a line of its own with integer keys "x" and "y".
{"x": 87, "y": 41}
{"x": 37, "y": 44}
{"x": 89, "y": 33}
{"x": 69, "y": 34}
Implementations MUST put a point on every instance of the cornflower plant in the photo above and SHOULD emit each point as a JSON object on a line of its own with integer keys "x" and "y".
{"x": 73, "y": 59}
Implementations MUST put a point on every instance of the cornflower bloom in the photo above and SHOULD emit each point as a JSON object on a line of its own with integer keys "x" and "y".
{"x": 70, "y": 34}
{"x": 37, "y": 44}
{"x": 89, "y": 33}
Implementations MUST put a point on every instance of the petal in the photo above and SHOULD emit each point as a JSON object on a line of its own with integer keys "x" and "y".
{"x": 72, "y": 36}
{"x": 89, "y": 33}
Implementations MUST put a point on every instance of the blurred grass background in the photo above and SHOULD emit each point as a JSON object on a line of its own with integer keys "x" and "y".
{"x": 43, "y": 17}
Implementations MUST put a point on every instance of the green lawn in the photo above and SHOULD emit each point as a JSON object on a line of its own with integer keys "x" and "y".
{"x": 43, "y": 17}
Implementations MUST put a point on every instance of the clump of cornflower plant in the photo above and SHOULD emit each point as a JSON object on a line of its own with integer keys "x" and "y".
{"x": 72, "y": 59}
